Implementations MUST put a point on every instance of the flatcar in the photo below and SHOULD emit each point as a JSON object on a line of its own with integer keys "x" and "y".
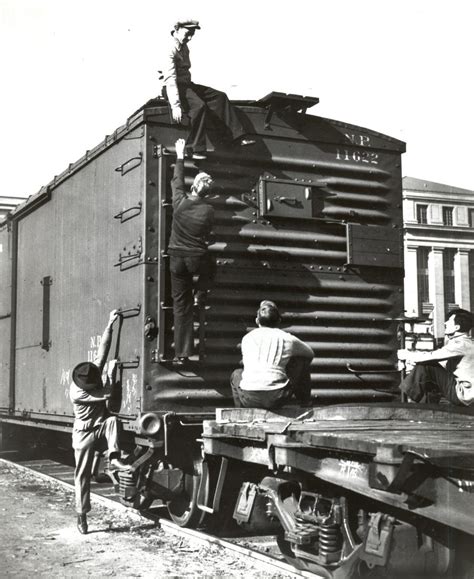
{"x": 309, "y": 217}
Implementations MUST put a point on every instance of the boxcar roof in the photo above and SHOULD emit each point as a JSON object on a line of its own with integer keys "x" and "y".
{"x": 141, "y": 115}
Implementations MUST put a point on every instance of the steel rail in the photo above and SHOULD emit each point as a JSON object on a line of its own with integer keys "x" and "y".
{"x": 169, "y": 526}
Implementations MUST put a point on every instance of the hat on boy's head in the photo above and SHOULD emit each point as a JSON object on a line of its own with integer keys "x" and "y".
{"x": 87, "y": 376}
{"x": 189, "y": 24}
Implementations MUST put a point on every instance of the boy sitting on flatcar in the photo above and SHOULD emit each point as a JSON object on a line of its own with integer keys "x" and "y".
{"x": 276, "y": 364}
{"x": 447, "y": 371}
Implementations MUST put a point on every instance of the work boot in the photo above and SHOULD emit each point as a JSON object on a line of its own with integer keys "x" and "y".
{"x": 117, "y": 464}
{"x": 82, "y": 524}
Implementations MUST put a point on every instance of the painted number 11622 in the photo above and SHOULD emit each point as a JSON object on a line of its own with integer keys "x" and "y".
{"x": 358, "y": 156}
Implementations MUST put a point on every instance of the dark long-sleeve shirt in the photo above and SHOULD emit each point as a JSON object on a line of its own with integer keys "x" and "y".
{"x": 192, "y": 219}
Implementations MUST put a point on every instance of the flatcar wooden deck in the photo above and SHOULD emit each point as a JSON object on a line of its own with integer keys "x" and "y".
{"x": 414, "y": 457}
{"x": 360, "y": 429}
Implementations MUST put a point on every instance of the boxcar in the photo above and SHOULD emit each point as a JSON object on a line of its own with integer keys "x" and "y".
{"x": 310, "y": 217}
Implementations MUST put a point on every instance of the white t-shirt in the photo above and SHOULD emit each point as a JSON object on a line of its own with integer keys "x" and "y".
{"x": 265, "y": 353}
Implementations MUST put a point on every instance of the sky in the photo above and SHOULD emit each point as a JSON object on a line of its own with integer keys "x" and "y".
{"x": 74, "y": 70}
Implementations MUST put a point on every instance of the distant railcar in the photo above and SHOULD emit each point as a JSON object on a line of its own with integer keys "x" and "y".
{"x": 310, "y": 217}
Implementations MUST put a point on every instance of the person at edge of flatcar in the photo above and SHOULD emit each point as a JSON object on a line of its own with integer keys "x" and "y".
{"x": 447, "y": 372}
{"x": 92, "y": 423}
{"x": 191, "y": 233}
{"x": 199, "y": 102}
{"x": 276, "y": 364}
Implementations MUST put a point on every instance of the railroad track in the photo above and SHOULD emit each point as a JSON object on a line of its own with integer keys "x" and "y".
{"x": 262, "y": 549}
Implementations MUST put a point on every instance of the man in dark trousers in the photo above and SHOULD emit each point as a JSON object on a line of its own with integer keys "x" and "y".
{"x": 276, "y": 364}
{"x": 447, "y": 372}
{"x": 92, "y": 423}
{"x": 198, "y": 101}
{"x": 190, "y": 235}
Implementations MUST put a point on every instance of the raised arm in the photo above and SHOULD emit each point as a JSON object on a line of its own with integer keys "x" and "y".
{"x": 105, "y": 341}
{"x": 177, "y": 183}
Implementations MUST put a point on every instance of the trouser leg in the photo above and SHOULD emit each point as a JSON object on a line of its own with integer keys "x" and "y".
{"x": 197, "y": 111}
{"x": 220, "y": 107}
{"x": 109, "y": 430}
{"x": 429, "y": 378}
{"x": 84, "y": 457}
{"x": 299, "y": 374}
{"x": 182, "y": 293}
{"x": 235, "y": 379}
{"x": 255, "y": 398}
{"x": 207, "y": 272}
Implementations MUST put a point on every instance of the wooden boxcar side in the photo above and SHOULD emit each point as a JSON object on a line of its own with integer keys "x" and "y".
{"x": 5, "y": 313}
{"x": 67, "y": 279}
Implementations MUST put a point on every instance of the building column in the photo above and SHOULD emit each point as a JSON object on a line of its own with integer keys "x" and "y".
{"x": 411, "y": 280}
{"x": 436, "y": 290}
{"x": 461, "y": 279}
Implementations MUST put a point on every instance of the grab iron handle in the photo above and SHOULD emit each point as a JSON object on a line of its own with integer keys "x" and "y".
{"x": 131, "y": 364}
{"x": 137, "y": 209}
{"x": 361, "y": 371}
{"x": 129, "y": 165}
{"x": 130, "y": 312}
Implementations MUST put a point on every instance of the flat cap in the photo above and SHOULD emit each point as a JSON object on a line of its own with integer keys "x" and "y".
{"x": 191, "y": 24}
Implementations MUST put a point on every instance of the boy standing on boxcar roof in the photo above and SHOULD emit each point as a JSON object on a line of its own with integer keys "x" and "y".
{"x": 199, "y": 102}
{"x": 191, "y": 231}
{"x": 92, "y": 423}
{"x": 276, "y": 364}
{"x": 447, "y": 371}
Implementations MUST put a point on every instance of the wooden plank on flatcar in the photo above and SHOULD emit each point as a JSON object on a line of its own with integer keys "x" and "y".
{"x": 435, "y": 432}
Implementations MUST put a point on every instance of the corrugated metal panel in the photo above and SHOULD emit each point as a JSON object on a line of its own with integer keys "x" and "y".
{"x": 300, "y": 261}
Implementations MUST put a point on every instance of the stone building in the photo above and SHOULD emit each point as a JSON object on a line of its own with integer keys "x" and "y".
{"x": 439, "y": 250}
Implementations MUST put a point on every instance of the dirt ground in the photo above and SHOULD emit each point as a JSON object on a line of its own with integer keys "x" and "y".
{"x": 38, "y": 537}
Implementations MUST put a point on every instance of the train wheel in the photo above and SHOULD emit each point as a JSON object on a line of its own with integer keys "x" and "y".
{"x": 183, "y": 509}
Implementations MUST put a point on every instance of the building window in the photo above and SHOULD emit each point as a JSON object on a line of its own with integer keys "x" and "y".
{"x": 448, "y": 273}
{"x": 447, "y": 215}
{"x": 471, "y": 218}
{"x": 423, "y": 284}
{"x": 421, "y": 213}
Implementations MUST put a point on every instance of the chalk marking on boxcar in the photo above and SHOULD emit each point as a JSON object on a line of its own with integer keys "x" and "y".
{"x": 130, "y": 390}
{"x": 350, "y": 468}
